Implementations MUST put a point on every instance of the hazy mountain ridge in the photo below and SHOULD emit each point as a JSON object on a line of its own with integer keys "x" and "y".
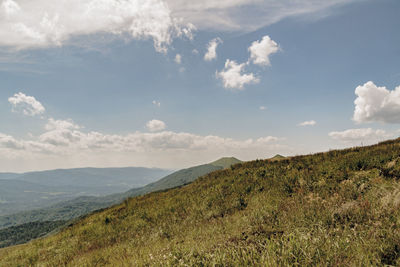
{"x": 33, "y": 190}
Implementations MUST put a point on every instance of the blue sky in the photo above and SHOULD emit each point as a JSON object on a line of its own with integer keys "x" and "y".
{"x": 113, "y": 94}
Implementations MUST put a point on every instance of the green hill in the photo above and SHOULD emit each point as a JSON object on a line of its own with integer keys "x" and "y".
{"x": 184, "y": 176}
{"x": 340, "y": 208}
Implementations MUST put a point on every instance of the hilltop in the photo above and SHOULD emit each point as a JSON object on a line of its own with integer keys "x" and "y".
{"x": 339, "y": 208}
{"x": 225, "y": 162}
{"x": 278, "y": 157}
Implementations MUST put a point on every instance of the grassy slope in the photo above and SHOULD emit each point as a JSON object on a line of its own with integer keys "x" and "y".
{"x": 335, "y": 208}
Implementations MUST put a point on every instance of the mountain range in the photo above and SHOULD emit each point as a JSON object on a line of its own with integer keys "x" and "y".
{"x": 33, "y": 190}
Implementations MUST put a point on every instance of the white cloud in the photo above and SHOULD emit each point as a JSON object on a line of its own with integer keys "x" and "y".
{"x": 234, "y": 14}
{"x": 376, "y": 104}
{"x": 307, "y": 123}
{"x": 63, "y": 137}
{"x": 178, "y": 59}
{"x": 358, "y": 136}
{"x": 9, "y": 7}
{"x": 212, "y": 49}
{"x": 60, "y": 132}
{"x": 156, "y": 103}
{"x": 155, "y": 125}
{"x": 7, "y": 141}
{"x": 195, "y": 51}
{"x": 66, "y": 144}
{"x": 268, "y": 139}
{"x": 261, "y": 50}
{"x": 28, "y": 105}
{"x": 42, "y": 23}
{"x": 232, "y": 76}
{"x": 263, "y": 108}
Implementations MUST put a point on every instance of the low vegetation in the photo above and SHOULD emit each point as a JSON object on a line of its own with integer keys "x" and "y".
{"x": 339, "y": 208}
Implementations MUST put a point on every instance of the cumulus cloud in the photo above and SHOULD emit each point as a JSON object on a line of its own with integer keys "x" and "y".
{"x": 155, "y": 125}
{"x": 60, "y": 132}
{"x": 363, "y": 135}
{"x": 376, "y": 104}
{"x": 7, "y": 141}
{"x": 229, "y": 15}
{"x": 28, "y": 105}
{"x": 42, "y": 23}
{"x": 212, "y": 49}
{"x": 307, "y": 123}
{"x": 232, "y": 75}
{"x": 261, "y": 50}
{"x": 178, "y": 59}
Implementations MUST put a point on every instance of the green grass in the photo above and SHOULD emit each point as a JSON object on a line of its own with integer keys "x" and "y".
{"x": 339, "y": 208}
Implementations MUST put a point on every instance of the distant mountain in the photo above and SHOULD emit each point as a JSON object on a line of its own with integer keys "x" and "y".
{"x": 108, "y": 180}
{"x": 17, "y": 195}
{"x": 33, "y": 190}
{"x": 83, "y": 205}
{"x": 7, "y": 175}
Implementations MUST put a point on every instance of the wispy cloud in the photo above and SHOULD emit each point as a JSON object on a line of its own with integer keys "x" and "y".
{"x": 178, "y": 59}
{"x": 211, "y": 53}
{"x": 230, "y": 15}
{"x": 156, "y": 103}
{"x": 307, "y": 123}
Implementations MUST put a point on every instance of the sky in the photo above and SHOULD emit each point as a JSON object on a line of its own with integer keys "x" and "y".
{"x": 176, "y": 83}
